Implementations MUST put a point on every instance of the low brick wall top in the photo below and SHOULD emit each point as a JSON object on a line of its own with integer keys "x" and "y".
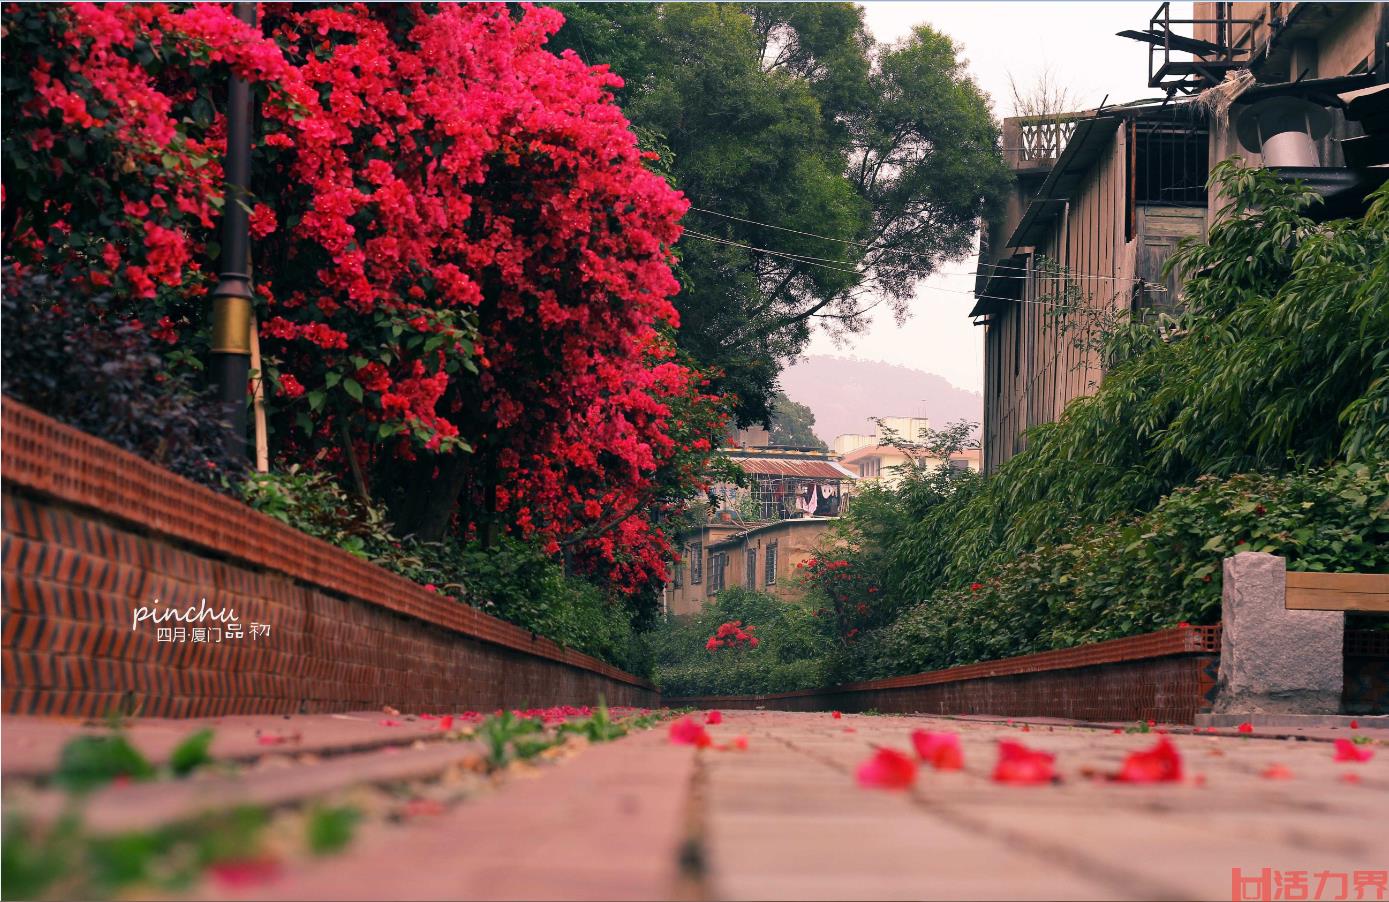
{"x": 1177, "y": 641}
{"x": 59, "y": 462}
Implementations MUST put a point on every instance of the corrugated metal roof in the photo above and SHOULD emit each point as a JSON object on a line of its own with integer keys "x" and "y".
{"x": 781, "y": 466}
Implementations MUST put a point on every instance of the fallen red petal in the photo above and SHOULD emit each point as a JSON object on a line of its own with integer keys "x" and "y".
{"x": 686, "y": 732}
{"x": 244, "y": 872}
{"x": 1349, "y": 751}
{"x": 836, "y": 715}
{"x": 390, "y": 723}
{"x": 887, "y": 769}
{"x": 1020, "y": 765}
{"x": 446, "y": 722}
{"x": 1349, "y": 777}
{"x": 940, "y": 750}
{"x": 714, "y": 717}
{"x": 1276, "y": 772}
{"x": 1160, "y": 764}
{"x": 424, "y": 808}
{"x": 1246, "y": 727}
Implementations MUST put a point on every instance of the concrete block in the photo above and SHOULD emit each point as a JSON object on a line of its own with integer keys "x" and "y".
{"x": 1272, "y": 660}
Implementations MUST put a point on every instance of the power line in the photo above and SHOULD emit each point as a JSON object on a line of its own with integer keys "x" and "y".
{"x": 1075, "y": 275}
{"x": 811, "y": 262}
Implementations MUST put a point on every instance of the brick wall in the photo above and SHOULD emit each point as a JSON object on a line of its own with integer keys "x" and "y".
{"x": 1167, "y": 676}
{"x": 91, "y": 533}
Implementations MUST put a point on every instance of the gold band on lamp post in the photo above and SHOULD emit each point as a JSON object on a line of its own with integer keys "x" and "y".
{"x": 231, "y": 324}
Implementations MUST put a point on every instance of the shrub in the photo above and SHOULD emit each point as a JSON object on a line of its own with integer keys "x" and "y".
{"x": 1135, "y": 575}
{"x": 63, "y": 355}
{"x": 791, "y": 652}
{"x": 512, "y": 579}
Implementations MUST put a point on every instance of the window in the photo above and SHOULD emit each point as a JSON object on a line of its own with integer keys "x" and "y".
{"x": 676, "y": 572}
{"x": 769, "y": 576}
{"x": 717, "y": 562}
{"x": 751, "y": 558}
{"x": 957, "y": 463}
{"x": 870, "y": 467}
{"x": 696, "y": 556}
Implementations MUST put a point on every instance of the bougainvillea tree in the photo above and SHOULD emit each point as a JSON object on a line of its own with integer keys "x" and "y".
{"x": 463, "y": 264}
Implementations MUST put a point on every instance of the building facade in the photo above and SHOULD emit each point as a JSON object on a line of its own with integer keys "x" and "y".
{"x": 753, "y": 533}
{"x": 1103, "y": 197}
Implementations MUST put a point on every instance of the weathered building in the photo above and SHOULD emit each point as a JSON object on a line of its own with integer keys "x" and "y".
{"x": 1103, "y": 197}
{"x": 755, "y": 533}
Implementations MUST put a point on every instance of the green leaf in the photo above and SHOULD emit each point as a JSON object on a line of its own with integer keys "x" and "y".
{"x": 354, "y": 390}
{"x": 191, "y": 753}
{"x": 91, "y": 761}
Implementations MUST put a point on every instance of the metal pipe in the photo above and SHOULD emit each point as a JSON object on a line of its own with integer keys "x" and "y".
{"x": 230, "y": 364}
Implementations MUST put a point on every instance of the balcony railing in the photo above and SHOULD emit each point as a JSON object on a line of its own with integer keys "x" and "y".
{"x": 1044, "y": 138}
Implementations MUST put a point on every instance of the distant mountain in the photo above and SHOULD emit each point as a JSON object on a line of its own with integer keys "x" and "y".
{"x": 843, "y": 392}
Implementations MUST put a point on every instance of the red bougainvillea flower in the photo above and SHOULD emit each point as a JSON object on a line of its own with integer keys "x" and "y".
{"x": 887, "y": 769}
{"x": 1349, "y": 751}
{"x": 1026, "y": 728}
{"x": 686, "y": 732}
{"x": 238, "y": 873}
{"x": 975, "y": 587}
{"x": 1021, "y": 765}
{"x": 446, "y": 722}
{"x": 836, "y": 715}
{"x": 1183, "y": 625}
{"x": 1276, "y": 772}
{"x": 1246, "y": 727}
{"x": 714, "y": 717}
{"x": 1355, "y": 724}
{"x": 940, "y": 750}
{"x": 1160, "y": 764}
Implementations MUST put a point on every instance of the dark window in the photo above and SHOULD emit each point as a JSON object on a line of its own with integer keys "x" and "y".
{"x": 676, "y": 572}
{"x": 751, "y": 568}
{"x": 696, "y": 564}
{"x": 1170, "y": 164}
{"x": 769, "y": 577}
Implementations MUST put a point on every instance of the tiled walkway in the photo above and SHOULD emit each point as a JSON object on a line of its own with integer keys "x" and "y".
{"x": 642, "y": 818}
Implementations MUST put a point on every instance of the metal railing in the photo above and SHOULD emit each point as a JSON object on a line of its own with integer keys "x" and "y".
{"x": 1208, "y": 61}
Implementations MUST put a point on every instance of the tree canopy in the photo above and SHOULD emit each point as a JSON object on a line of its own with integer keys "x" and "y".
{"x": 827, "y": 173}
{"x": 793, "y": 424}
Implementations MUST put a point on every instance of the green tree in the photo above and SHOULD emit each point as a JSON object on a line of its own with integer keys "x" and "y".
{"x": 786, "y": 122}
{"x": 793, "y": 424}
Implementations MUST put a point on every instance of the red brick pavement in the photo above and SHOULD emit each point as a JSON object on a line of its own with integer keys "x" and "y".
{"x": 641, "y": 818}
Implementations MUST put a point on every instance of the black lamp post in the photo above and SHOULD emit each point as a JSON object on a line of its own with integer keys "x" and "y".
{"x": 231, "y": 301}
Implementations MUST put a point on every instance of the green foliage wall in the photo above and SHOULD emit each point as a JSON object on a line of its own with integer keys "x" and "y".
{"x": 1258, "y": 419}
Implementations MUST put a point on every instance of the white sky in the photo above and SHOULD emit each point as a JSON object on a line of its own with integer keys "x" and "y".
{"x": 1076, "y": 41}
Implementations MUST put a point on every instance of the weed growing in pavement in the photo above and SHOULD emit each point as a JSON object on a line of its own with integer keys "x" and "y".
{"x": 331, "y": 829}
{"x": 89, "y": 762}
